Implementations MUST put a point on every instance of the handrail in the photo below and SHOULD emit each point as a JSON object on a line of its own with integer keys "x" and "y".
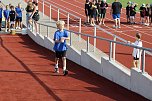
{"x": 97, "y": 37}
{"x": 110, "y": 33}
{"x": 60, "y": 9}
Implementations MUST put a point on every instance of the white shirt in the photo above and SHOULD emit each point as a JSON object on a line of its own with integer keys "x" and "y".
{"x": 137, "y": 52}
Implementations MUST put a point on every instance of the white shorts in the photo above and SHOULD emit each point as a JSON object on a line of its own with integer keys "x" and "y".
{"x": 132, "y": 17}
{"x": 12, "y": 22}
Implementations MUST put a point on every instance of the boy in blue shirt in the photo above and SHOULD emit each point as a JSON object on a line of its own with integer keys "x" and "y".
{"x": 18, "y": 10}
{"x": 6, "y": 15}
{"x": 1, "y": 10}
{"x": 60, "y": 37}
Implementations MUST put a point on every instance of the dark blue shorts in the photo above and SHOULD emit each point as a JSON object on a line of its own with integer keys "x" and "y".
{"x": 19, "y": 19}
{"x": 116, "y": 16}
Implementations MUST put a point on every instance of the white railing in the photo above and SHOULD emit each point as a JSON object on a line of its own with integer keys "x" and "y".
{"x": 112, "y": 44}
{"x": 59, "y": 11}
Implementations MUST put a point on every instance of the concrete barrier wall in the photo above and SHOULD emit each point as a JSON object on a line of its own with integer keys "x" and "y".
{"x": 40, "y": 40}
{"x": 115, "y": 73}
{"x": 134, "y": 80}
{"x": 74, "y": 55}
{"x": 32, "y": 35}
{"x": 141, "y": 83}
{"x": 90, "y": 62}
{"x": 48, "y": 43}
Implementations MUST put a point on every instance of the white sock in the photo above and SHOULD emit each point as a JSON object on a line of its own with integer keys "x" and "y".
{"x": 56, "y": 66}
{"x": 64, "y": 68}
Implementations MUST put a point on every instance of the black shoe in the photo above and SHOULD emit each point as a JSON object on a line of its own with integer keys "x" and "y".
{"x": 56, "y": 70}
{"x": 65, "y": 72}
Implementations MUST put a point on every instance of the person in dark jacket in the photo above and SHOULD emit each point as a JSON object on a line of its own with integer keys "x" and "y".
{"x": 87, "y": 10}
{"x": 128, "y": 11}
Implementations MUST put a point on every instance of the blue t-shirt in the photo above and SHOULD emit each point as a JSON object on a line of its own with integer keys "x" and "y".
{"x": 6, "y": 14}
{"x": 57, "y": 36}
{"x": 18, "y": 11}
{"x": 1, "y": 11}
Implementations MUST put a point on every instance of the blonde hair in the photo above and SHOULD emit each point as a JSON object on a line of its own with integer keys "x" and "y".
{"x": 60, "y": 22}
{"x": 29, "y": 5}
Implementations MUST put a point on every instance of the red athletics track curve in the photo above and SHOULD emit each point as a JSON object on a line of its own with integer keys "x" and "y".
{"x": 127, "y": 32}
{"x": 26, "y": 74}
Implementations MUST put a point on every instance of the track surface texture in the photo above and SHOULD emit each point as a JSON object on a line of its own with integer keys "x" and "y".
{"x": 27, "y": 74}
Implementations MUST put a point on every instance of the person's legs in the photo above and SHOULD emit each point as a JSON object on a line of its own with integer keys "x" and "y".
{"x": 115, "y": 20}
{"x": 65, "y": 71}
{"x": 103, "y": 20}
{"x": 57, "y": 56}
{"x": 64, "y": 63}
{"x": 0, "y": 24}
{"x": 118, "y": 22}
{"x": 134, "y": 63}
{"x": 36, "y": 26}
{"x": 6, "y": 25}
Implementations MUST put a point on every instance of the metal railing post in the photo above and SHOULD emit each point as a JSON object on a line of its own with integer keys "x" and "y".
{"x": 47, "y": 31}
{"x": 88, "y": 42}
{"x": 50, "y": 13}
{"x": 70, "y": 39}
{"x": 79, "y": 29}
{"x": 68, "y": 18}
{"x": 114, "y": 48}
{"x": 32, "y": 26}
{"x": 39, "y": 28}
{"x": 95, "y": 34}
{"x": 143, "y": 61}
{"x": 110, "y": 51}
{"x": 43, "y": 8}
{"x": 58, "y": 14}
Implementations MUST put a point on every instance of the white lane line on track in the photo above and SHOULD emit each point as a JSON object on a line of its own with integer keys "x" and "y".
{"x": 107, "y": 26}
{"x": 122, "y": 17}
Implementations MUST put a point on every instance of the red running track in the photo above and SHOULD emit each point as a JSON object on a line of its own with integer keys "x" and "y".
{"x": 26, "y": 74}
{"x": 127, "y": 31}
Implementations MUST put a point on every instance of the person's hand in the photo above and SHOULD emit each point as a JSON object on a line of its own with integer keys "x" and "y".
{"x": 128, "y": 42}
{"x": 62, "y": 39}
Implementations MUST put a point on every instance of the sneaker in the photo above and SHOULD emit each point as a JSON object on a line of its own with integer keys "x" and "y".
{"x": 119, "y": 27}
{"x": 114, "y": 26}
{"x": 91, "y": 24}
{"x": 65, "y": 72}
{"x": 5, "y": 30}
{"x": 56, "y": 70}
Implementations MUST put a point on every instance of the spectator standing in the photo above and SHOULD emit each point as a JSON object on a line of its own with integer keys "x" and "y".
{"x": 87, "y": 10}
{"x": 132, "y": 13}
{"x": 94, "y": 13}
{"x": 1, "y": 11}
{"x": 35, "y": 15}
{"x": 116, "y": 11}
{"x": 128, "y": 11}
{"x": 18, "y": 10}
{"x": 29, "y": 9}
{"x": 142, "y": 13}
{"x": 150, "y": 14}
{"x": 6, "y": 16}
{"x": 104, "y": 7}
{"x": 12, "y": 17}
{"x": 147, "y": 14}
{"x": 60, "y": 37}
{"x": 137, "y": 52}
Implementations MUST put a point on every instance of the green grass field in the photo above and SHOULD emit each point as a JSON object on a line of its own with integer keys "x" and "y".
{"x": 139, "y": 2}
